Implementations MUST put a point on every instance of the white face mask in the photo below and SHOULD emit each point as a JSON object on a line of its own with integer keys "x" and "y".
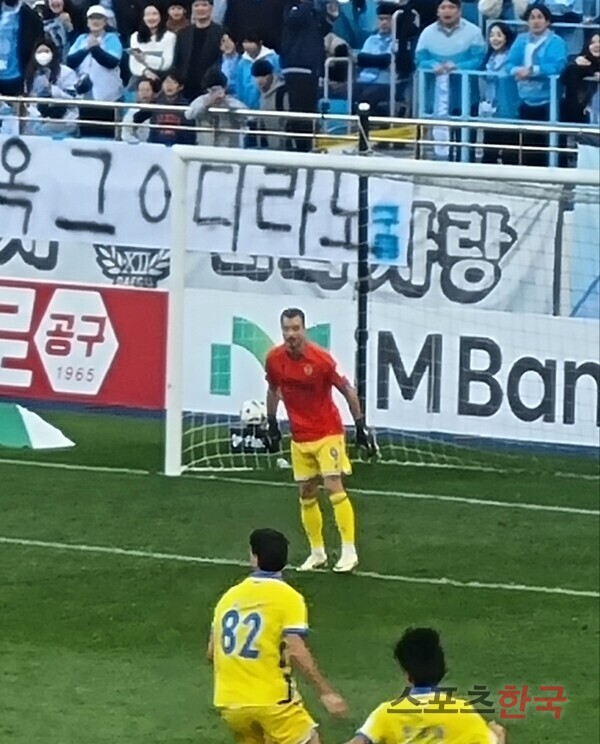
{"x": 43, "y": 58}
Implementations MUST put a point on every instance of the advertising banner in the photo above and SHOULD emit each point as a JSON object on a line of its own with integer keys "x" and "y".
{"x": 79, "y": 344}
{"x": 466, "y": 373}
{"x": 442, "y": 241}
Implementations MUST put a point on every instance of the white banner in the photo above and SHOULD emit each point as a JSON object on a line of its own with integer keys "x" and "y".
{"x": 114, "y": 194}
{"x": 99, "y": 213}
{"x": 465, "y": 373}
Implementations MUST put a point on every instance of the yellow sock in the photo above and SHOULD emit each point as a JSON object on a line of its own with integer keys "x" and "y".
{"x": 312, "y": 521}
{"x": 344, "y": 516}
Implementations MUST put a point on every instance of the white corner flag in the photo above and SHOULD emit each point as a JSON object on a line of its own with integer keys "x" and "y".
{"x": 20, "y": 428}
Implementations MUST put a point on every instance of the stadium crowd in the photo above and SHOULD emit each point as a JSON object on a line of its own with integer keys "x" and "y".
{"x": 271, "y": 55}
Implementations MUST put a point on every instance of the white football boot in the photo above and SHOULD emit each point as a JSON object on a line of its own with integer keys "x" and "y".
{"x": 348, "y": 560}
{"x": 315, "y": 560}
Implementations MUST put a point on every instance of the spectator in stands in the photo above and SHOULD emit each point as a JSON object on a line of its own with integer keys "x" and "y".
{"x": 569, "y": 12}
{"x": 450, "y": 45}
{"x": 357, "y": 18}
{"x": 38, "y": 6}
{"x": 215, "y": 84}
{"x": 77, "y": 10}
{"x": 375, "y": 58}
{"x": 302, "y": 60}
{"x": 245, "y": 87}
{"x": 47, "y": 77}
{"x": 273, "y": 97}
{"x": 535, "y": 56}
{"x": 59, "y": 25}
{"x": 20, "y": 30}
{"x": 354, "y": 20}
{"x": 111, "y": 14}
{"x": 581, "y": 81}
{"x": 219, "y": 10}
{"x": 152, "y": 47}
{"x": 260, "y": 17}
{"x": 162, "y": 123}
{"x": 408, "y": 27}
{"x": 197, "y": 49}
{"x": 230, "y": 59}
{"x": 124, "y": 16}
{"x": 505, "y": 10}
{"x": 498, "y": 96}
{"x": 97, "y": 56}
{"x": 131, "y": 132}
{"x": 177, "y": 17}
{"x": 337, "y": 48}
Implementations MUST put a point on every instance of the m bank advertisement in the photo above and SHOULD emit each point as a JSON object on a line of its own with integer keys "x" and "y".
{"x": 482, "y": 374}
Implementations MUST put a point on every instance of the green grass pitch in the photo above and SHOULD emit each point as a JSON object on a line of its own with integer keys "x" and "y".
{"x": 108, "y": 648}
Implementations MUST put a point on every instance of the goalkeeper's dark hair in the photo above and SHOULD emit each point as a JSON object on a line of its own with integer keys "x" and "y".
{"x": 419, "y": 652}
{"x": 270, "y": 548}
{"x": 293, "y": 312}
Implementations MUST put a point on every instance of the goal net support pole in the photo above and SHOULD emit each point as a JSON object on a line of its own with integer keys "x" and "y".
{"x": 364, "y": 279}
{"x": 176, "y": 318}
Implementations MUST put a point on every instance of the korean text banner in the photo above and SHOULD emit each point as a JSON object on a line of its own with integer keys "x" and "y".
{"x": 113, "y": 193}
{"x": 116, "y": 194}
{"x": 80, "y": 344}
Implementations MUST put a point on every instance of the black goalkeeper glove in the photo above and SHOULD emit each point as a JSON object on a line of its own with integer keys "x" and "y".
{"x": 366, "y": 439}
{"x": 272, "y": 438}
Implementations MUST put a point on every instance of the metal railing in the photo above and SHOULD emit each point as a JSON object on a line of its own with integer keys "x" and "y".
{"x": 416, "y": 97}
{"x": 521, "y": 25}
{"x": 349, "y": 62}
{"x": 394, "y": 82}
{"x": 467, "y": 99}
{"x": 417, "y": 127}
{"x": 572, "y": 39}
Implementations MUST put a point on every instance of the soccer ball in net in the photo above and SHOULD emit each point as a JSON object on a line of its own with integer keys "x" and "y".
{"x": 253, "y": 413}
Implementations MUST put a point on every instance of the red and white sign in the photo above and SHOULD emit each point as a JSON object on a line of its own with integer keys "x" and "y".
{"x": 91, "y": 345}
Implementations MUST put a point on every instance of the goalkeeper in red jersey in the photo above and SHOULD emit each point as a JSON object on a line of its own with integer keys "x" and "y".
{"x": 303, "y": 376}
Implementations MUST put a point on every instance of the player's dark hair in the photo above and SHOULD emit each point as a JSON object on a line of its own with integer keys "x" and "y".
{"x": 270, "y": 548}
{"x": 419, "y": 652}
{"x": 293, "y": 312}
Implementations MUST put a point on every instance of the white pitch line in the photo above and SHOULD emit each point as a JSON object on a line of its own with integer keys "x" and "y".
{"x": 417, "y": 496}
{"x": 22, "y": 542}
{"x": 77, "y": 468}
{"x": 276, "y": 484}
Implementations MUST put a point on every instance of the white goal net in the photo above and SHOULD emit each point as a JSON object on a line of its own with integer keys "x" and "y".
{"x": 482, "y": 318}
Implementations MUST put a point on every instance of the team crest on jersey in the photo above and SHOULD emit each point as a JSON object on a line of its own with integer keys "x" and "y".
{"x": 308, "y": 370}
{"x": 334, "y": 453}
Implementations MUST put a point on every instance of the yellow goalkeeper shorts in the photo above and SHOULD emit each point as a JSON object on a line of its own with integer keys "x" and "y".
{"x": 271, "y": 724}
{"x": 325, "y": 457}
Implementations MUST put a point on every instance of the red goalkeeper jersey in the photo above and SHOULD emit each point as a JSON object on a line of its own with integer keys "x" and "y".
{"x": 306, "y": 386}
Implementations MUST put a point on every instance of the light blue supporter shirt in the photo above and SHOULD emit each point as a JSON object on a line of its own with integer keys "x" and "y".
{"x": 10, "y": 26}
{"x": 376, "y": 44}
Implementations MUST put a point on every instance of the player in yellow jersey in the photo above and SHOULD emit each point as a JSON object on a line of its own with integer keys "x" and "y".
{"x": 257, "y": 635}
{"x": 419, "y": 715}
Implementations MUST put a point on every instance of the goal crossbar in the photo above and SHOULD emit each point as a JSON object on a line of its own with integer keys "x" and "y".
{"x": 361, "y": 165}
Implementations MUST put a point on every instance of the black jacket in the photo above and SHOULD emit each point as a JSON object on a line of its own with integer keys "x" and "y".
{"x": 264, "y": 17}
{"x": 211, "y": 56}
{"x": 304, "y": 29}
{"x": 31, "y": 31}
{"x": 579, "y": 89}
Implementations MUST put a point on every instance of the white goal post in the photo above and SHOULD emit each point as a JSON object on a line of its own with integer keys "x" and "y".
{"x": 505, "y": 178}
